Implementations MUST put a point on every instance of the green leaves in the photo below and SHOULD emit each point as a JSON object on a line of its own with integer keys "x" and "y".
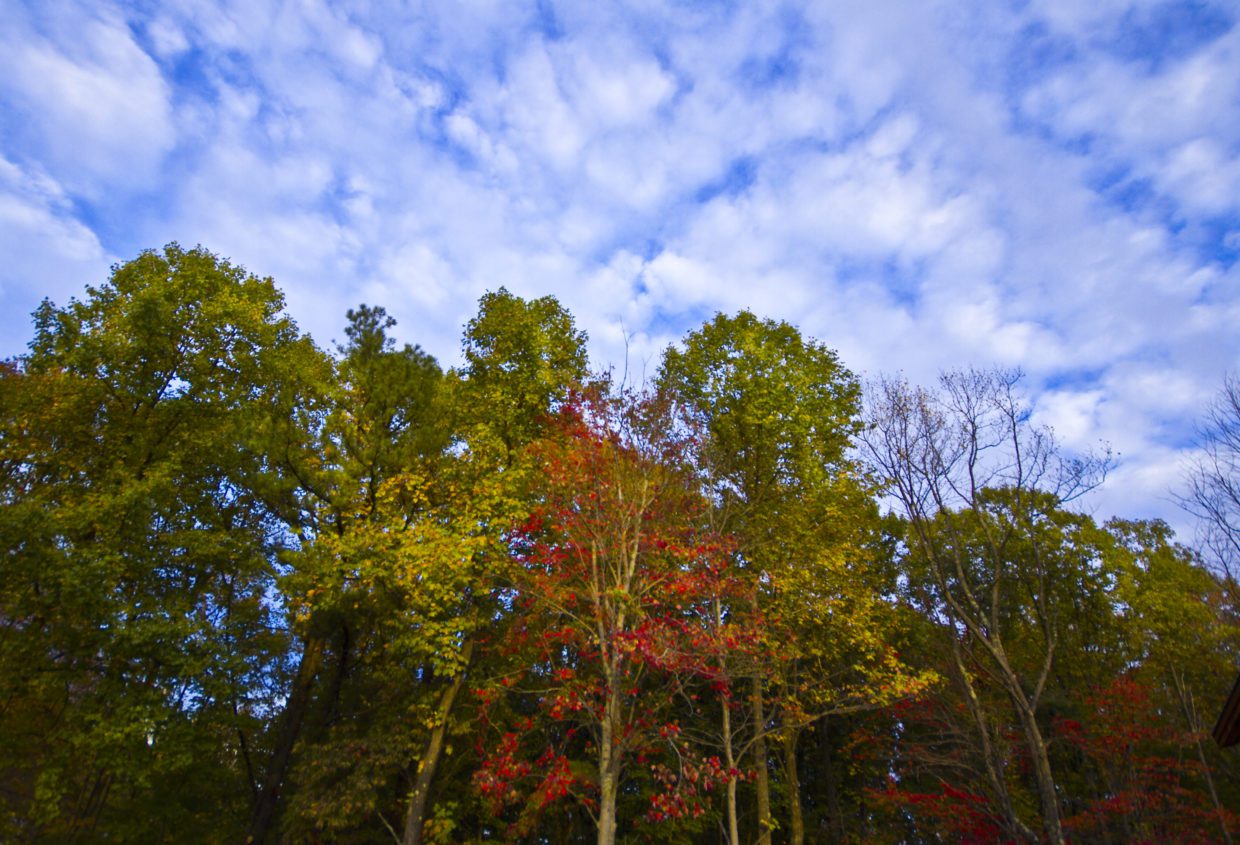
{"x": 140, "y": 551}
{"x": 386, "y": 407}
{"x": 247, "y": 586}
{"x": 779, "y": 411}
{"x": 521, "y": 359}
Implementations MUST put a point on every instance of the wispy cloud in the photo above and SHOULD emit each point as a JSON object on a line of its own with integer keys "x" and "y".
{"x": 921, "y": 185}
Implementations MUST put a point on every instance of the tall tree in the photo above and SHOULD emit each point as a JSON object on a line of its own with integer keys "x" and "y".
{"x": 138, "y": 650}
{"x": 963, "y": 750}
{"x": 522, "y": 360}
{"x": 778, "y": 414}
{"x": 981, "y": 489}
{"x": 1179, "y": 631}
{"x": 406, "y": 498}
{"x": 380, "y": 436}
{"x": 615, "y": 572}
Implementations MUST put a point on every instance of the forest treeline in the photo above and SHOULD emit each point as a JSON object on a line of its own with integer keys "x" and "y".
{"x": 256, "y": 591}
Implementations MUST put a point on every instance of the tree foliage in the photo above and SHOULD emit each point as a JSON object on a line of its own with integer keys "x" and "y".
{"x": 254, "y": 591}
{"x": 140, "y": 652}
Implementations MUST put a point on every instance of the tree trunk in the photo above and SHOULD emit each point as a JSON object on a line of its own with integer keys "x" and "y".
{"x": 835, "y": 821}
{"x": 1218, "y": 806}
{"x": 796, "y": 829}
{"x": 1052, "y": 829}
{"x": 763, "y": 780}
{"x": 607, "y": 810}
{"x": 1195, "y": 728}
{"x": 729, "y": 759}
{"x": 294, "y": 715}
{"x": 331, "y": 708}
{"x": 729, "y": 754}
{"x": 990, "y": 759}
{"x": 608, "y": 770}
{"x": 415, "y": 818}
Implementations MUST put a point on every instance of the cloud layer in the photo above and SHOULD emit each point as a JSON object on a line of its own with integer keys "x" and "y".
{"x": 1053, "y": 185}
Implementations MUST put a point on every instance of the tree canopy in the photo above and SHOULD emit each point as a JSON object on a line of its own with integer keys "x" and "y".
{"x": 253, "y": 590}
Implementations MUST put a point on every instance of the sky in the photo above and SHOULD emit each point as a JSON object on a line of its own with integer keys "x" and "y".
{"x": 1048, "y": 184}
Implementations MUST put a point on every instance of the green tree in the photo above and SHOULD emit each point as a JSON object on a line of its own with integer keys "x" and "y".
{"x": 1180, "y": 638}
{"x": 139, "y": 655}
{"x": 378, "y": 436}
{"x": 982, "y": 491}
{"x": 411, "y": 481}
{"x": 521, "y": 358}
{"x": 777, "y": 415}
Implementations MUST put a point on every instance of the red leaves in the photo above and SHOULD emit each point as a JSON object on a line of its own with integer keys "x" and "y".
{"x": 963, "y": 816}
{"x": 683, "y": 792}
{"x": 557, "y": 779}
{"x": 1133, "y": 776}
{"x": 497, "y": 777}
{"x": 614, "y": 582}
{"x": 1146, "y": 766}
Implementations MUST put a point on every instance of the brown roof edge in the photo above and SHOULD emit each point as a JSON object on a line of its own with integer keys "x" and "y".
{"x": 1227, "y": 728}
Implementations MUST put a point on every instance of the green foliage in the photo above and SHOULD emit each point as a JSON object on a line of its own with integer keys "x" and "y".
{"x": 778, "y": 412}
{"x": 385, "y": 420}
{"x": 776, "y": 415}
{"x": 139, "y": 649}
{"x": 521, "y": 358}
{"x": 238, "y": 573}
{"x": 405, "y": 544}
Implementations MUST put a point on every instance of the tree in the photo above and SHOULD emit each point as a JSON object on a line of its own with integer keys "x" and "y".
{"x": 963, "y": 756}
{"x": 1142, "y": 634}
{"x": 614, "y": 571}
{"x": 139, "y": 652}
{"x": 521, "y": 358}
{"x": 1213, "y": 483}
{"x": 413, "y": 479}
{"x": 777, "y": 416}
{"x": 982, "y": 491}
{"x": 1148, "y": 794}
{"x": 363, "y": 480}
{"x": 1181, "y": 638}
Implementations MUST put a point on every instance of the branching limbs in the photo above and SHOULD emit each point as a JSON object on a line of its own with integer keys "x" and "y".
{"x": 1213, "y": 483}
{"x": 980, "y": 486}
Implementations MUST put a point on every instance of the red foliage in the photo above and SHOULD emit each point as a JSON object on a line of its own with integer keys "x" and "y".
{"x": 957, "y": 814}
{"x": 614, "y": 579}
{"x": 1131, "y": 775}
{"x": 1147, "y": 768}
{"x": 684, "y": 788}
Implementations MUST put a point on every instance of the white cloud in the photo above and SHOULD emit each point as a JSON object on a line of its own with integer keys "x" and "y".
{"x": 543, "y": 123}
{"x": 1072, "y": 415}
{"x": 889, "y": 177}
{"x": 167, "y": 38}
{"x": 95, "y": 104}
{"x": 613, "y": 89}
{"x": 1204, "y": 175}
{"x": 48, "y": 253}
{"x": 1176, "y": 126}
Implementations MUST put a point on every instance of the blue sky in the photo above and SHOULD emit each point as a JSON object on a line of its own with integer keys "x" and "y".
{"x": 1050, "y": 184}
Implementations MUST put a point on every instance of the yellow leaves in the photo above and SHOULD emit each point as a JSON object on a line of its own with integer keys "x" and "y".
{"x": 405, "y": 492}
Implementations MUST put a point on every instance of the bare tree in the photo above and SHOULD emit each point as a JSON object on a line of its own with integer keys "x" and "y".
{"x": 1213, "y": 483}
{"x": 979, "y": 486}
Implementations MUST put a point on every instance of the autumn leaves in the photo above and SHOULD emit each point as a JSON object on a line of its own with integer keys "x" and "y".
{"x": 253, "y": 591}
